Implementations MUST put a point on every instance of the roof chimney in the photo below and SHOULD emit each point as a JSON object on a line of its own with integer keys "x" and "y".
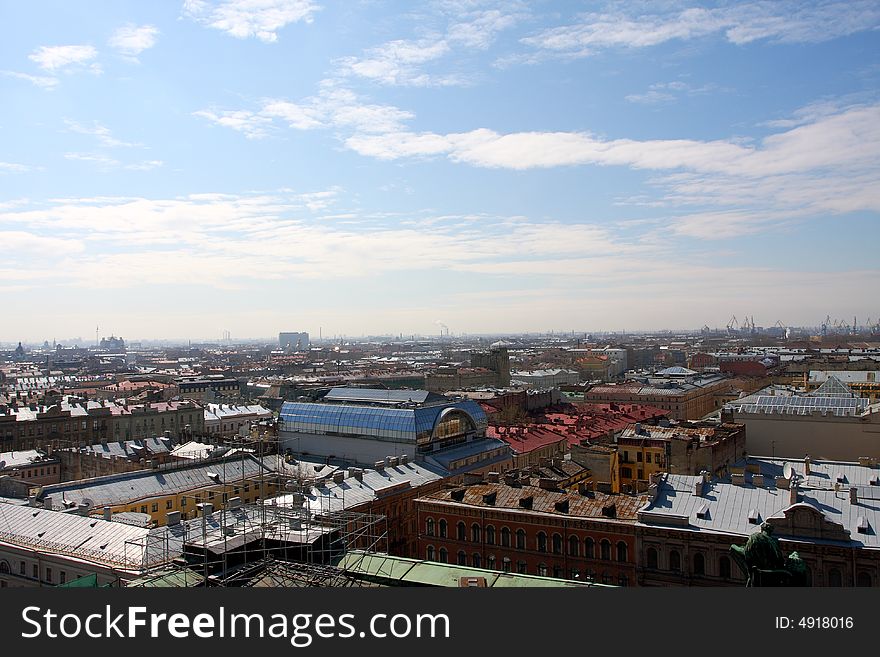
{"x": 108, "y": 513}
{"x": 404, "y": 459}
{"x": 172, "y": 518}
{"x": 853, "y": 495}
{"x": 758, "y": 480}
{"x": 793, "y": 493}
{"x": 379, "y": 466}
{"x": 698, "y": 487}
{"x": 807, "y": 464}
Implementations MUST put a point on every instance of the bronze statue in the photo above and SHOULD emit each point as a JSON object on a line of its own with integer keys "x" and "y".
{"x": 764, "y": 564}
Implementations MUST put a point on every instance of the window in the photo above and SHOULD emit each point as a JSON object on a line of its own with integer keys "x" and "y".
{"x": 144, "y": 508}
{"x": 49, "y": 575}
{"x": 21, "y": 567}
{"x": 462, "y": 558}
{"x": 4, "y": 568}
{"x": 699, "y": 564}
{"x": 835, "y": 578}
{"x": 490, "y": 562}
{"x": 674, "y": 560}
{"x": 622, "y": 552}
{"x": 443, "y": 555}
{"x": 475, "y": 533}
{"x": 63, "y": 576}
{"x": 605, "y": 549}
{"x": 210, "y": 495}
{"x": 506, "y": 566}
{"x": 490, "y": 535}
{"x": 461, "y": 532}
{"x": 442, "y": 527}
{"x": 573, "y": 546}
{"x": 169, "y": 504}
{"x": 429, "y": 526}
{"x": 522, "y": 567}
{"x": 183, "y": 501}
{"x": 639, "y": 457}
{"x": 520, "y": 539}
{"x": 542, "y": 570}
{"x": 429, "y": 553}
{"x": 155, "y": 507}
{"x": 475, "y": 560}
{"x": 651, "y": 557}
{"x": 542, "y": 542}
{"x": 589, "y": 548}
{"x": 505, "y": 536}
{"x": 557, "y": 544}
{"x": 863, "y": 579}
{"x": 36, "y": 571}
{"x": 574, "y": 573}
{"x": 724, "y": 567}
{"x": 557, "y": 571}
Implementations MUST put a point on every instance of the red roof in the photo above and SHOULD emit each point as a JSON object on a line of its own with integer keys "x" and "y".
{"x": 524, "y": 439}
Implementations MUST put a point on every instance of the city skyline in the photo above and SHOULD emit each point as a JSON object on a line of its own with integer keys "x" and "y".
{"x": 373, "y": 168}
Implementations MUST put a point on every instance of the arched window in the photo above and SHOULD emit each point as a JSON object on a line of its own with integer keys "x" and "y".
{"x": 505, "y": 536}
{"x": 461, "y": 532}
{"x": 573, "y": 546}
{"x": 442, "y": 527}
{"x": 835, "y": 577}
{"x": 475, "y": 533}
{"x": 622, "y": 552}
{"x": 475, "y": 560}
{"x": 589, "y": 548}
{"x": 506, "y": 565}
{"x": 490, "y": 535}
{"x": 699, "y": 564}
{"x": 541, "y": 542}
{"x": 443, "y": 555}
{"x": 864, "y": 579}
{"x": 429, "y": 553}
{"x": 724, "y": 567}
{"x": 4, "y": 568}
{"x": 542, "y": 570}
{"x": 674, "y": 560}
{"x": 651, "y": 558}
{"x": 490, "y": 562}
{"x": 520, "y": 539}
{"x": 462, "y": 558}
{"x": 429, "y": 526}
{"x": 605, "y": 549}
{"x": 557, "y": 544}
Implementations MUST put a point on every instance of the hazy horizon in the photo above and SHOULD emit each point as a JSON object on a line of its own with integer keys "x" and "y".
{"x": 382, "y": 168}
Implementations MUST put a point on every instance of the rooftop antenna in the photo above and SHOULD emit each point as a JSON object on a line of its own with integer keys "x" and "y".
{"x": 97, "y": 341}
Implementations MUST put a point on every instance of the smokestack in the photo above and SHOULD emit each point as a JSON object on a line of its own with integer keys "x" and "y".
{"x": 807, "y": 462}
{"x": 793, "y": 493}
{"x": 853, "y": 495}
{"x": 108, "y": 513}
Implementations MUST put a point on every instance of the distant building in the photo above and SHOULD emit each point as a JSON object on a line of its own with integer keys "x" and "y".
{"x": 293, "y": 341}
{"x": 227, "y": 420}
{"x": 112, "y": 344}
{"x": 31, "y": 466}
{"x": 831, "y": 422}
{"x": 544, "y": 378}
{"x": 363, "y": 426}
{"x": 210, "y": 389}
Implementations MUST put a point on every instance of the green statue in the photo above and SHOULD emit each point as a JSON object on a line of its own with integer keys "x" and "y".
{"x": 764, "y": 564}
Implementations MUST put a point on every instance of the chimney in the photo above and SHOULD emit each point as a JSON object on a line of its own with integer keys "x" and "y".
{"x": 404, "y": 459}
{"x": 108, "y": 513}
{"x": 393, "y": 461}
{"x": 807, "y": 464}
{"x": 707, "y": 476}
{"x": 357, "y": 473}
{"x": 492, "y": 477}
{"x": 853, "y": 495}
{"x": 379, "y": 466}
{"x": 737, "y": 478}
{"x": 547, "y": 483}
{"x": 233, "y": 503}
{"x": 698, "y": 487}
{"x": 782, "y": 482}
{"x": 338, "y": 476}
{"x": 584, "y": 489}
{"x": 32, "y": 500}
{"x": 47, "y": 502}
{"x": 758, "y": 480}
{"x": 172, "y": 518}
{"x": 793, "y": 493}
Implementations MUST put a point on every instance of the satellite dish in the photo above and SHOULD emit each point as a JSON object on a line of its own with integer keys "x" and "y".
{"x": 787, "y": 471}
{"x": 87, "y": 502}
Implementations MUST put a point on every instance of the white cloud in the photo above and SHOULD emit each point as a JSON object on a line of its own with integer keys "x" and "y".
{"x": 132, "y": 40}
{"x": 250, "y": 18}
{"x": 104, "y": 161}
{"x": 780, "y": 22}
{"x": 253, "y": 126}
{"x": 146, "y": 165}
{"x": 665, "y": 92}
{"x": 61, "y": 58}
{"x": 42, "y": 81}
{"x": 105, "y": 137}
{"x": 399, "y": 63}
{"x": 14, "y": 167}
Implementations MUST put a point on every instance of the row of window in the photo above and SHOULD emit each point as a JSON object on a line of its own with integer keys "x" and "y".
{"x": 556, "y": 543}
{"x": 35, "y": 572}
{"x": 442, "y": 555}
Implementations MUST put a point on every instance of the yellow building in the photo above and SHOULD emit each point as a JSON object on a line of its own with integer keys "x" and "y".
{"x": 158, "y": 492}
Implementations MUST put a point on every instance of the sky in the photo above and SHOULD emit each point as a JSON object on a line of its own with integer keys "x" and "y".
{"x": 185, "y": 168}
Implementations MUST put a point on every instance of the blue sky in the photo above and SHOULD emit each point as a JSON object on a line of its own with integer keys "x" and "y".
{"x": 178, "y": 169}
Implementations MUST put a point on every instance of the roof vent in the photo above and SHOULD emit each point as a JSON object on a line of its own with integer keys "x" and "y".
{"x": 379, "y": 466}
{"x": 561, "y": 506}
{"x": 526, "y": 502}
{"x": 840, "y": 478}
{"x": 737, "y": 478}
{"x": 703, "y": 511}
{"x": 754, "y": 516}
{"x": 489, "y": 498}
{"x": 609, "y": 510}
{"x": 853, "y": 495}
{"x": 404, "y": 459}
{"x": 758, "y": 480}
{"x": 338, "y": 477}
{"x": 457, "y": 494}
{"x": 863, "y": 527}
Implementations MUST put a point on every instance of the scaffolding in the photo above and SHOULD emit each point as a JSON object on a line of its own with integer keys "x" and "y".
{"x": 295, "y": 536}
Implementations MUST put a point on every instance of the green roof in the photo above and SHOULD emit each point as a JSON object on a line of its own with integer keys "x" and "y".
{"x": 84, "y": 582}
{"x": 413, "y": 572}
{"x": 170, "y": 578}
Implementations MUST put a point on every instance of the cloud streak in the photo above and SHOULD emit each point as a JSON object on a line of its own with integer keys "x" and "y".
{"x": 243, "y": 19}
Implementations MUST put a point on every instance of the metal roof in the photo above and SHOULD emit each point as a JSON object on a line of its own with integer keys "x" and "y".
{"x": 381, "y": 396}
{"x": 90, "y": 539}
